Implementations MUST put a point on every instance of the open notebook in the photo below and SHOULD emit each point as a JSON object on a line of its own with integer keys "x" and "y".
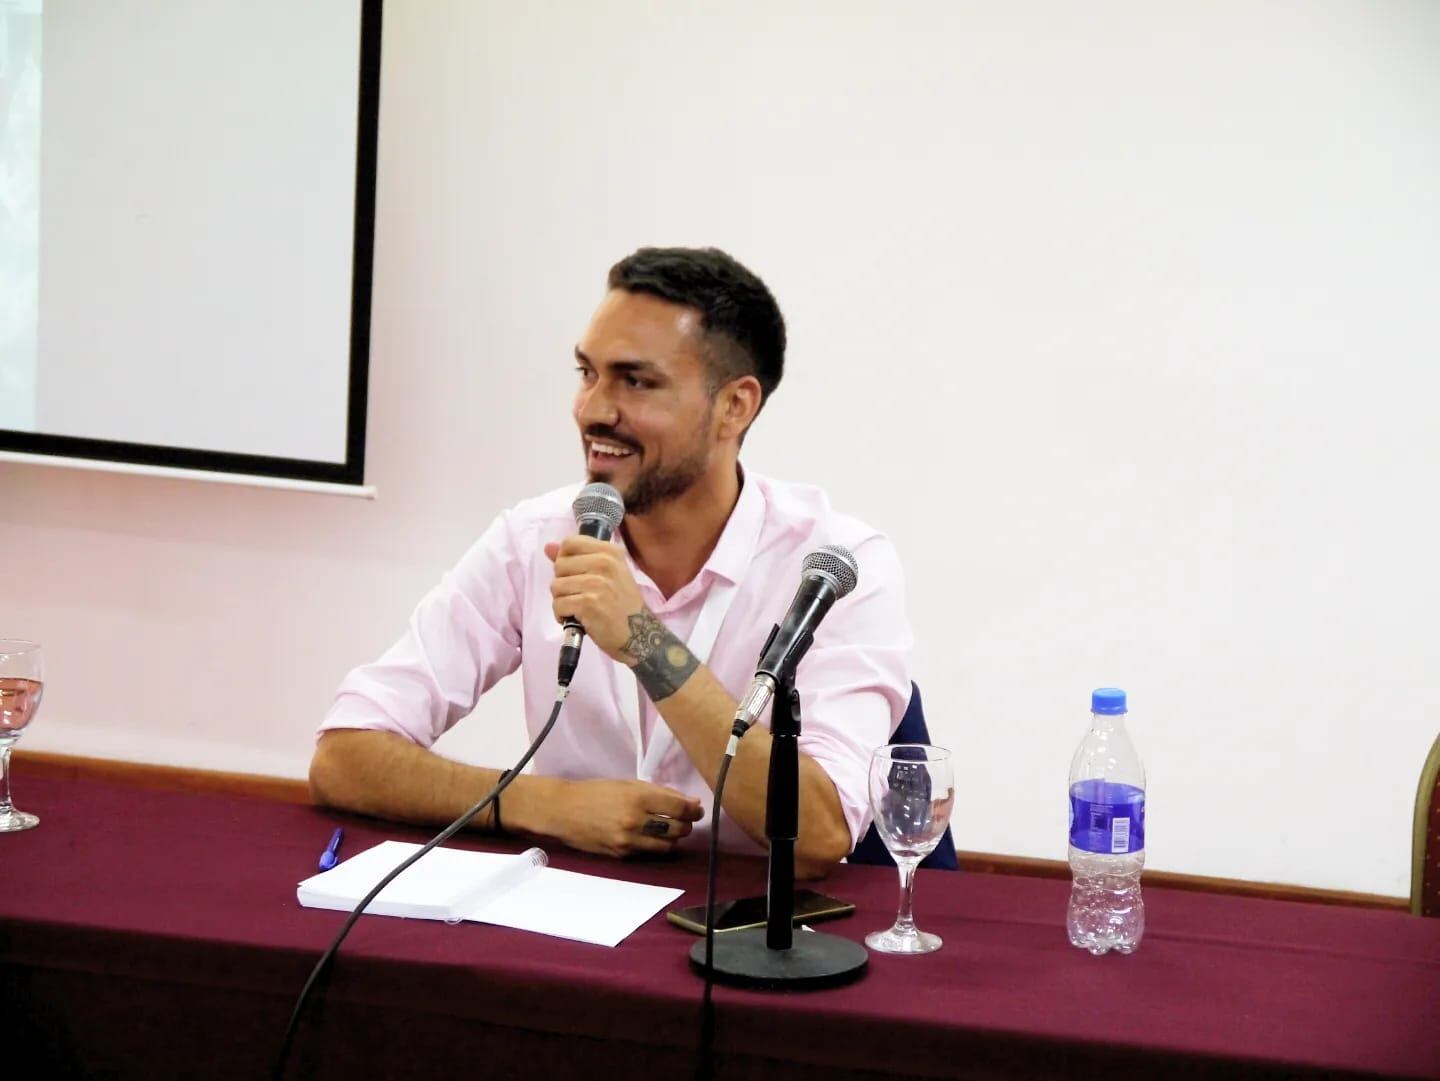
{"x": 488, "y": 887}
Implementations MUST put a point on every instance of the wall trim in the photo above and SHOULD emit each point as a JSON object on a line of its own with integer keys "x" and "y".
{"x": 289, "y": 790}
{"x": 165, "y": 778}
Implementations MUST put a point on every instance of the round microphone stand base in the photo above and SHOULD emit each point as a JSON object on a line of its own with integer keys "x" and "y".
{"x": 814, "y": 961}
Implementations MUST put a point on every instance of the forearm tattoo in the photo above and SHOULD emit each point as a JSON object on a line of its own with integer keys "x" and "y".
{"x": 662, "y": 662}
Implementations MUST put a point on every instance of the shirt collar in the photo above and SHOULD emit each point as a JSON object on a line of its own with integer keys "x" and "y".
{"x": 735, "y": 550}
{"x": 733, "y": 553}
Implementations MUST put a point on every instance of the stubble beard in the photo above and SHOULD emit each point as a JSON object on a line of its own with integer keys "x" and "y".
{"x": 660, "y": 485}
{"x": 656, "y": 485}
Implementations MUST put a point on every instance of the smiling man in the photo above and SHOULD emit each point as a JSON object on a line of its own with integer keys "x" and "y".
{"x": 685, "y": 349}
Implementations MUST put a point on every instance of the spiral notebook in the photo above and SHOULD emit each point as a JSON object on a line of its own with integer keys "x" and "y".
{"x": 519, "y": 891}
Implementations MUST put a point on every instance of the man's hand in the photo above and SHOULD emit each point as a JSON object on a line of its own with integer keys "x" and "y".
{"x": 619, "y": 818}
{"x": 593, "y": 584}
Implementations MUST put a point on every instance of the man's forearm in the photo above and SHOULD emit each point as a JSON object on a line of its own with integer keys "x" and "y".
{"x": 700, "y": 712}
{"x": 385, "y": 775}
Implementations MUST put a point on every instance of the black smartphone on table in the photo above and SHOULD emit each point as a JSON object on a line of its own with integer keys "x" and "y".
{"x": 749, "y": 912}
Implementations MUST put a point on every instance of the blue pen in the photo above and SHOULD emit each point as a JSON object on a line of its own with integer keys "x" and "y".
{"x": 328, "y": 858}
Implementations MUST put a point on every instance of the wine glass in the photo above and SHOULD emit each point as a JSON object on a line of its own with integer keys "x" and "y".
{"x": 22, "y": 682}
{"x": 912, "y": 790}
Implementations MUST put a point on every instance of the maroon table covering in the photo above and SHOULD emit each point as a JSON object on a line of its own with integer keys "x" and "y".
{"x": 156, "y": 934}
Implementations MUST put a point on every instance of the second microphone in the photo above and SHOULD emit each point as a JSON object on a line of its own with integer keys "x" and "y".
{"x": 829, "y": 573}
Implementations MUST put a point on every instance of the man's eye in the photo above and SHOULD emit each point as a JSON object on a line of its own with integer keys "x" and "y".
{"x": 585, "y": 373}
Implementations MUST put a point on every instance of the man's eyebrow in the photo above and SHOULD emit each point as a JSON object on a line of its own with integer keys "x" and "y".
{"x": 647, "y": 367}
{"x": 637, "y": 367}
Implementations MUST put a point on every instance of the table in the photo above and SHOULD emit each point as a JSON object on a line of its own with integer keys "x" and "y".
{"x": 156, "y": 934}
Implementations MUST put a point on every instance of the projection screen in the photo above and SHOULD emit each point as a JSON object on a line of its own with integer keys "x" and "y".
{"x": 186, "y": 228}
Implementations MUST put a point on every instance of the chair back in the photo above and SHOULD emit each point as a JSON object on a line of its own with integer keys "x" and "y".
{"x": 871, "y": 849}
{"x": 1425, "y": 861}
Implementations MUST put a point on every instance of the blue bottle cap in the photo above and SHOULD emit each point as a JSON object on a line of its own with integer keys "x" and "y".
{"x": 1107, "y": 700}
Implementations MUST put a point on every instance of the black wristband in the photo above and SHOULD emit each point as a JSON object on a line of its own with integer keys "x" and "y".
{"x": 496, "y": 825}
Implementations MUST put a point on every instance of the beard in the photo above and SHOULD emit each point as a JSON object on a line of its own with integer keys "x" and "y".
{"x": 659, "y": 483}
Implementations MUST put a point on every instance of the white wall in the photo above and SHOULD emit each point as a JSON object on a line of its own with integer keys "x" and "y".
{"x": 1119, "y": 317}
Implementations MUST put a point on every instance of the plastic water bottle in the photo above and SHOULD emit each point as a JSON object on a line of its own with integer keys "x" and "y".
{"x": 1107, "y": 832}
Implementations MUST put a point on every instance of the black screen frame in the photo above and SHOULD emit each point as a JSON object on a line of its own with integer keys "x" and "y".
{"x": 351, "y": 472}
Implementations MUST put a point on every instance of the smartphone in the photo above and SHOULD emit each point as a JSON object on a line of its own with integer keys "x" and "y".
{"x": 749, "y": 912}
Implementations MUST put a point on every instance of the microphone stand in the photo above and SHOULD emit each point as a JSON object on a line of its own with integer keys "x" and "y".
{"x": 775, "y": 958}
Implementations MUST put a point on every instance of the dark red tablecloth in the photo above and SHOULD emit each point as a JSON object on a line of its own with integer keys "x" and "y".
{"x": 156, "y": 934}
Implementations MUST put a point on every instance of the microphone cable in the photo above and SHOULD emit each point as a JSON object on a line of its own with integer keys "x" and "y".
{"x": 706, "y": 1066}
{"x": 444, "y": 835}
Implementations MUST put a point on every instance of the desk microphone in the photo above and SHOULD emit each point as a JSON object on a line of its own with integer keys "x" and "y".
{"x": 598, "y": 511}
{"x": 829, "y": 573}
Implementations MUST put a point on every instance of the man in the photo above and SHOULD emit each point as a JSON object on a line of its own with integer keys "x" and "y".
{"x": 675, "y": 365}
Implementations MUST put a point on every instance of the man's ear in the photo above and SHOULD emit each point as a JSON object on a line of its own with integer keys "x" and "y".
{"x": 738, "y": 403}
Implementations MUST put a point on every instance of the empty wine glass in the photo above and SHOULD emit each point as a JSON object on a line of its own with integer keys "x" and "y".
{"x": 22, "y": 681}
{"x": 912, "y": 790}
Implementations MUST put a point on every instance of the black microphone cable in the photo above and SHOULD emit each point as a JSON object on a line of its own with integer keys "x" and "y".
{"x": 706, "y": 1069}
{"x": 444, "y": 835}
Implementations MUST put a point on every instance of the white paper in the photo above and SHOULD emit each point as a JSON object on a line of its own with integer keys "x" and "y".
{"x": 516, "y": 891}
{"x": 439, "y": 886}
{"x": 585, "y": 908}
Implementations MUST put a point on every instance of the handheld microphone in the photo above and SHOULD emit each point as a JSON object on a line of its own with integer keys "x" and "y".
{"x": 598, "y": 511}
{"x": 829, "y": 573}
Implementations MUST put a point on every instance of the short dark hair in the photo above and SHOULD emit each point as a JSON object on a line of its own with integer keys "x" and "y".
{"x": 744, "y": 330}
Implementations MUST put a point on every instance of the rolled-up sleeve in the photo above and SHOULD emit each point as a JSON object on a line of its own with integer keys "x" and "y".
{"x": 855, "y": 683}
{"x": 463, "y": 637}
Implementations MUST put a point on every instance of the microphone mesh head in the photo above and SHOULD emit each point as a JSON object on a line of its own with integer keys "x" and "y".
{"x": 837, "y": 562}
{"x": 599, "y": 501}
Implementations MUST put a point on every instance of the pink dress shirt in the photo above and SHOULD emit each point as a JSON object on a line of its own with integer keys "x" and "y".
{"x": 491, "y": 615}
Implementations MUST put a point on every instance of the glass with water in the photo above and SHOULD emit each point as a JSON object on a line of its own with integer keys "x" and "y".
{"x": 912, "y": 791}
{"x": 22, "y": 683}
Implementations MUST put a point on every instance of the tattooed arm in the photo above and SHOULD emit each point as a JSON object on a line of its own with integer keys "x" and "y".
{"x": 662, "y": 662}
{"x": 593, "y": 584}
{"x": 699, "y": 711}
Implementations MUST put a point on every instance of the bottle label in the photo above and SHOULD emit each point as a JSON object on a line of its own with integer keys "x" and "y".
{"x": 1107, "y": 817}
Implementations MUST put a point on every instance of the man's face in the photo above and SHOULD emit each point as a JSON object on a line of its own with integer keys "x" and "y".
{"x": 644, "y": 407}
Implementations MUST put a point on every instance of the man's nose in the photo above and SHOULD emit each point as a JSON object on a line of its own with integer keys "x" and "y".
{"x": 596, "y": 406}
